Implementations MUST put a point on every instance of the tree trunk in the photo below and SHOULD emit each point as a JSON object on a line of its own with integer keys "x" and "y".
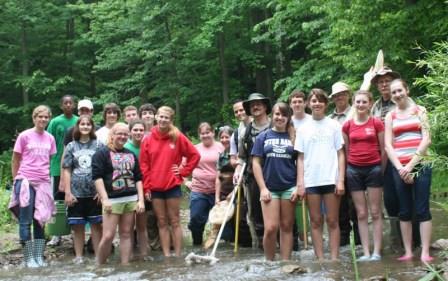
{"x": 224, "y": 70}
{"x": 25, "y": 63}
{"x": 70, "y": 34}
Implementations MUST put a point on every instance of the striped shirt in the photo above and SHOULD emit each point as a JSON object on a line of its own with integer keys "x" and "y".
{"x": 407, "y": 134}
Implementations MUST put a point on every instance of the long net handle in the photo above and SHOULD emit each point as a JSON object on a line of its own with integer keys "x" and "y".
{"x": 304, "y": 220}
{"x": 237, "y": 219}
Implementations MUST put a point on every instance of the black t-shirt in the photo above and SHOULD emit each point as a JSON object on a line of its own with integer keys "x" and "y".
{"x": 119, "y": 170}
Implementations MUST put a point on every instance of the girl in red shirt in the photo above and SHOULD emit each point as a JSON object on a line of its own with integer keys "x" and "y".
{"x": 163, "y": 171}
{"x": 364, "y": 147}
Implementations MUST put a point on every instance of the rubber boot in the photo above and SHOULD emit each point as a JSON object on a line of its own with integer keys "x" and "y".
{"x": 28, "y": 257}
{"x": 396, "y": 243}
{"x": 38, "y": 251}
{"x": 212, "y": 237}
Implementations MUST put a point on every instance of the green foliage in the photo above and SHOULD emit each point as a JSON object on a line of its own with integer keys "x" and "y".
{"x": 434, "y": 82}
{"x": 198, "y": 55}
{"x": 6, "y": 220}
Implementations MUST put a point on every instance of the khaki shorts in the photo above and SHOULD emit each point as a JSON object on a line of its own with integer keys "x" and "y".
{"x": 122, "y": 208}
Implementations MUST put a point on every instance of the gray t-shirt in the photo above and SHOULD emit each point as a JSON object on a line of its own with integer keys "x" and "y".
{"x": 78, "y": 157}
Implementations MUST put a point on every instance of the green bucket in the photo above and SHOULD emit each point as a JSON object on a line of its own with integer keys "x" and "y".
{"x": 58, "y": 225}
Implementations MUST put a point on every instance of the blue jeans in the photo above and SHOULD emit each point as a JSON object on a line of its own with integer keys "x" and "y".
{"x": 414, "y": 195}
{"x": 200, "y": 205}
{"x": 26, "y": 216}
{"x": 390, "y": 192}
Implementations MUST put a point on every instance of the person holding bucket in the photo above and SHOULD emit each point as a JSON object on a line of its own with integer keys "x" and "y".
{"x": 32, "y": 199}
{"x": 118, "y": 182}
{"x": 276, "y": 175}
{"x": 80, "y": 193}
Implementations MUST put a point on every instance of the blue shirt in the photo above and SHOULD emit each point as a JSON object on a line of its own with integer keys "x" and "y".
{"x": 279, "y": 159}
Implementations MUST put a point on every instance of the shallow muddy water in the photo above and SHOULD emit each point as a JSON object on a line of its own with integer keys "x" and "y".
{"x": 248, "y": 264}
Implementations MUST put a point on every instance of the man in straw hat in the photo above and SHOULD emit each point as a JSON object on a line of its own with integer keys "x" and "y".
{"x": 340, "y": 96}
{"x": 258, "y": 107}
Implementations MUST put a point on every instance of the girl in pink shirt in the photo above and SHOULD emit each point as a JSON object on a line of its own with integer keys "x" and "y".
{"x": 202, "y": 197}
{"x": 32, "y": 200}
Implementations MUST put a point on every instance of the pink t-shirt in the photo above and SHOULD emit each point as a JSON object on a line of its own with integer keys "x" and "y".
{"x": 35, "y": 149}
{"x": 204, "y": 175}
{"x": 363, "y": 146}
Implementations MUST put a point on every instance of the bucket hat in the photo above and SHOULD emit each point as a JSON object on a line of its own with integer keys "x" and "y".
{"x": 339, "y": 87}
{"x": 254, "y": 97}
{"x": 385, "y": 71}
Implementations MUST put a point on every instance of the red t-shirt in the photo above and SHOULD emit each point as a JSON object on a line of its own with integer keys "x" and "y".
{"x": 363, "y": 146}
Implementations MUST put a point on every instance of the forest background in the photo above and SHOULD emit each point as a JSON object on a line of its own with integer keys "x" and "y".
{"x": 199, "y": 55}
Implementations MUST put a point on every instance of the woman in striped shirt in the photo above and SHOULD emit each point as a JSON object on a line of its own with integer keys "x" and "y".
{"x": 407, "y": 139}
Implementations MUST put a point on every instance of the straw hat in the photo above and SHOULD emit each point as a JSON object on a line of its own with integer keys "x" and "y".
{"x": 385, "y": 71}
{"x": 254, "y": 97}
{"x": 216, "y": 215}
{"x": 339, "y": 87}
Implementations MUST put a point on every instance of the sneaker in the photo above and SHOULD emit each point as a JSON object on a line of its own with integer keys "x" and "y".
{"x": 55, "y": 241}
{"x": 78, "y": 260}
{"x": 363, "y": 258}
{"x": 375, "y": 257}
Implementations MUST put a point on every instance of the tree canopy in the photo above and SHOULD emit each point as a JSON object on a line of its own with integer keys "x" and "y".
{"x": 199, "y": 55}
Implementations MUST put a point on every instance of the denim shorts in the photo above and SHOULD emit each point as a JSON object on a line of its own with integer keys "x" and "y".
{"x": 322, "y": 189}
{"x": 175, "y": 192}
{"x": 359, "y": 178}
{"x": 284, "y": 194}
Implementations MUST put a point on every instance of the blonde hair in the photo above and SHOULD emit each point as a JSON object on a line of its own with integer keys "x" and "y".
{"x": 112, "y": 131}
{"x": 41, "y": 108}
{"x": 173, "y": 131}
{"x": 353, "y": 113}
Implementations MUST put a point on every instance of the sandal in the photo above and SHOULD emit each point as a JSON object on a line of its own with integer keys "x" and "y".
{"x": 405, "y": 258}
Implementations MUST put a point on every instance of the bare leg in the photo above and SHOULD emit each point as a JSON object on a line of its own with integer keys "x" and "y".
{"x": 406, "y": 233}
{"x": 271, "y": 218}
{"x": 332, "y": 205}
{"x": 142, "y": 233}
{"x": 96, "y": 231}
{"x": 160, "y": 210}
{"x": 78, "y": 239}
{"x": 425, "y": 233}
{"x": 286, "y": 226}
{"x": 173, "y": 211}
{"x": 110, "y": 222}
{"x": 376, "y": 211}
{"x": 125, "y": 230}
{"x": 316, "y": 219}
{"x": 359, "y": 199}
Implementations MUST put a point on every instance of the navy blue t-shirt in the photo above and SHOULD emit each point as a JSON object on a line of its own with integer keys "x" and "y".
{"x": 279, "y": 165}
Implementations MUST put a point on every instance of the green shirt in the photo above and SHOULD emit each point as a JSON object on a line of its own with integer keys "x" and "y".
{"x": 130, "y": 145}
{"x": 57, "y": 127}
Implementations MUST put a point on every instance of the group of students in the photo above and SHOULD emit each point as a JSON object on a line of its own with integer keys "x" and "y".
{"x": 111, "y": 175}
{"x": 106, "y": 182}
{"x": 358, "y": 150}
